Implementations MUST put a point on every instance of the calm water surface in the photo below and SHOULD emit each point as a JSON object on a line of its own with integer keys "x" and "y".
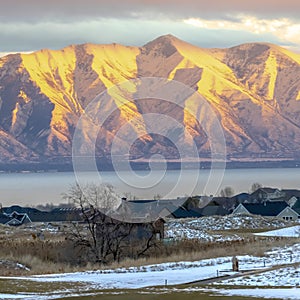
{"x": 35, "y": 188}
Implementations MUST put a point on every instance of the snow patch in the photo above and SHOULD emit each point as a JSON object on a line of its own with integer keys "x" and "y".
{"x": 293, "y": 231}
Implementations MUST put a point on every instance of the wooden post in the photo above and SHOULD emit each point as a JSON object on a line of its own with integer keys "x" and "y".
{"x": 235, "y": 264}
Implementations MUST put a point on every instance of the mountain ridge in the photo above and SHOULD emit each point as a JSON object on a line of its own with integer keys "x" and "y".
{"x": 253, "y": 88}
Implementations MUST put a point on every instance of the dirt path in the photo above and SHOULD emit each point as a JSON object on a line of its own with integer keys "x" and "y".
{"x": 240, "y": 274}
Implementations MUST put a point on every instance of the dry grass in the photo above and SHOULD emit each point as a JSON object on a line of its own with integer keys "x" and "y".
{"x": 52, "y": 254}
{"x": 57, "y": 255}
{"x": 191, "y": 250}
{"x": 36, "y": 266}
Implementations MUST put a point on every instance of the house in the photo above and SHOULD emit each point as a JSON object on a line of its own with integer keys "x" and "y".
{"x": 17, "y": 219}
{"x": 17, "y": 215}
{"x": 279, "y": 209}
{"x": 134, "y": 230}
{"x": 181, "y": 213}
{"x": 294, "y": 203}
{"x": 115, "y": 238}
{"x": 289, "y": 193}
{"x": 141, "y": 231}
{"x": 4, "y": 219}
{"x": 61, "y": 215}
{"x": 153, "y": 209}
{"x": 267, "y": 194}
{"x": 225, "y": 202}
{"x": 241, "y": 198}
{"x": 273, "y": 194}
{"x": 212, "y": 209}
{"x": 288, "y": 214}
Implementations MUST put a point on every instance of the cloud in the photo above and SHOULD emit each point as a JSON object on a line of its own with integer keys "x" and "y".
{"x": 75, "y": 10}
{"x": 284, "y": 29}
{"x": 35, "y": 24}
{"x": 7, "y": 53}
{"x": 28, "y": 37}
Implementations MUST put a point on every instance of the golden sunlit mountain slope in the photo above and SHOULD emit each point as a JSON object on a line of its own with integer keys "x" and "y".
{"x": 254, "y": 90}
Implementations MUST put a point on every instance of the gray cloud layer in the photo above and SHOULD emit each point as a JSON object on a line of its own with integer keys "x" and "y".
{"x": 33, "y": 24}
{"x": 72, "y": 10}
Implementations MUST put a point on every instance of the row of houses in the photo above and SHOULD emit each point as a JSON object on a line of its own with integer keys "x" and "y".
{"x": 279, "y": 209}
{"x": 269, "y": 202}
{"x": 16, "y": 215}
{"x": 284, "y": 204}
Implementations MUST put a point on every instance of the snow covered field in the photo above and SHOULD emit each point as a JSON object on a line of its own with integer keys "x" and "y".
{"x": 287, "y": 277}
{"x": 201, "y": 228}
{"x": 284, "y": 281}
{"x": 293, "y": 231}
{"x": 183, "y": 272}
{"x": 145, "y": 276}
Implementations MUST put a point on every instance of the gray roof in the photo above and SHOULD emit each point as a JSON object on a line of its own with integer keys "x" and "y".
{"x": 181, "y": 213}
{"x": 35, "y": 215}
{"x": 4, "y": 218}
{"x": 141, "y": 208}
{"x": 289, "y": 193}
{"x": 271, "y": 209}
{"x": 213, "y": 210}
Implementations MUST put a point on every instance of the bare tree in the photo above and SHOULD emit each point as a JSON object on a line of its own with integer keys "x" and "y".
{"x": 93, "y": 201}
{"x": 228, "y": 191}
{"x": 100, "y": 237}
{"x": 129, "y": 196}
{"x": 157, "y": 197}
{"x": 255, "y": 186}
{"x": 191, "y": 202}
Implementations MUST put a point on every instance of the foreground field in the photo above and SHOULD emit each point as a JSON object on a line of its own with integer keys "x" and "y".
{"x": 170, "y": 278}
{"x": 196, "y": 268}
{"x": 42, "y": 248}
{"x": 31, "y": 291}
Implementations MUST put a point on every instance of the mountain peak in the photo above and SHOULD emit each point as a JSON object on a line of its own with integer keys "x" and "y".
{"x": 163, "y": 46}
{"x": 167, "y": 38}
{"x": 254, "y": 50}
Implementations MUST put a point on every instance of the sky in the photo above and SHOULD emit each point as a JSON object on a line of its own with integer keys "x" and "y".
{"x": 29, "y": 25}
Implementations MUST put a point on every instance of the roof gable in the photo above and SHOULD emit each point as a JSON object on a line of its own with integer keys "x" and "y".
{"x": 296, "y": 204}
{"x": 289, "y": 211}
{"x": 14, "y": 222}
{"x": 240, "y": 209}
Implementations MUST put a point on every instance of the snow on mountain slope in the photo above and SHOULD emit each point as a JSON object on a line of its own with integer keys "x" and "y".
{"x": 253, "y": 89}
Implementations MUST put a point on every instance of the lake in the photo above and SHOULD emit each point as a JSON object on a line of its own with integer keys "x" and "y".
{"x": 37, "y": 188}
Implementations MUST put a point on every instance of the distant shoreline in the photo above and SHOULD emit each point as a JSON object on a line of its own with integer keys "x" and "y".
{"x": 43, "y": 167}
